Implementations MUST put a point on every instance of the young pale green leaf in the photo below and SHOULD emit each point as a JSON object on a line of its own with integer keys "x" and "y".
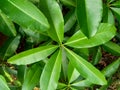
{"x": 32, "y": 77}
{"x": 25, "y": 14}
{"x": 53, "y": 12}
{"x": 9, "y": 47}
{"x": 69, "y": 2}
{"x": 116, "y": 12}
{"x": 115, "y": 4}
{"x": 89, "y": 14}
{"x": 6, "y": 25}
{"x": 105, "y": 33}
{"x": 3, "y": 84}
{"x": 32, "y": 55}
{"x": 86, "y": 69}
{"x": 112, "y": 48}
{"x": 82, "y": 83}
{"x": 111, "y": 69}
{"x": 51, "y": 72}
{"x": 73, "y": 74}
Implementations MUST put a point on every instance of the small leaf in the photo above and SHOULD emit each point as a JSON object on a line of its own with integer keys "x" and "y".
{"x": 51, "y": 72}
{"x": 86, "y": 69}
{"x": 6, "y": 25}
{"x": 32, "y": 77}
{"x": 70, "y": 20}
{"x": 52, "y": 11}
{"x": 73, "y": 74}
{"x": 3, "y": 84}
{"x": 115, "y": 4}
{"x": 105, "y": 33}
{"x": 89, "y": 14}
{"x": 111, "y": 69}
{"x": 69, "y": 2}
{"x": 82, "y": 83}
{"x": 9, "y": 47}
{"x": 112, "y": 48}
{"x": 25, "y": 14}
{"x": 32, "y": 55}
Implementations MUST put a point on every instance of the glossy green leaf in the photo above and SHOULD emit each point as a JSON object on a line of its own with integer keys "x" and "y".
{"x": 111, "y": 69}
{"x": 112, "y": 48}
{"x": 32, "y": 55}
{"x": 32, "y": 77}
{"x": 104, "y": 34}
{"x": 82, "y": 83}
{"x": 6, "y": 25}
{"x": 9, "y": 47}
{"x": 52, "y": 11}
{"x": 73, "y": 74}
{"x": 25, "y": 14}
{"x": 69, "y": 2}
{"x": 86, "y": 69}
{"x": 51, "y": 72}
{"x": 3, "y": 84}
{"x": 89, "y": 14}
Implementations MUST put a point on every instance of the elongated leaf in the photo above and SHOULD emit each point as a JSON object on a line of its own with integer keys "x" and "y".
{"x": 61, "y": 86}
{"x": 6, "y": 25}
{"x": 89, "y": 14}
{"x": 51, "y": 72}
{"x": 32, "y": 77}
{"x": 69, "y": 2}
{"x": 32, "y": 55}
{"x": 3, "y": 84}
{"x": 25, "y": 14}
{"x": 112, "y": 68}
{"x": 116, "y": 12}
{"x": 116, "y": 4}
{"x": 82, "y": 83}
{"x": 112, "y": 48}
{"x": 9, "y": 47}
{"x": 70, "y": 20}
{"x": 73, "y": 74}
{"x": 104, "y": 34}
{"x": 86, "y": 69}
{"x": 97, "y": 57}
{"x": 53, "y": 12}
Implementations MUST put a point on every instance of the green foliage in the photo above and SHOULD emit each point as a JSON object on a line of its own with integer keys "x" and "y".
{"x": 57, "y": 44}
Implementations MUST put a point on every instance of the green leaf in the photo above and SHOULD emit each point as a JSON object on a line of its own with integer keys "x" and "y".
{"x": 3, "y": 83}
{"x": 82, "y": 83}
{"x": 9, "y": 47}
{"x": 70, "y": 19}
{"x": 73, "y": 74}
{"x": 112, "y": 48}
{"x": 116, "y": 4}
{"x": 69, "y": 2}
{"x": 52, "y": 11}
{"x": 61, "y": 86}
{"x": 97, "y": 57}
{"x": 25, "y": 14}
{"x": 111, "y": 69}
{"x": 32, "y": 77}
{"x": 51, "y": 72}
{"x": 89, "y": 14}
{"x": 116, "y": 11}
{"x": 105, "y": 33}
{"x": 6, "y": 25}
{"x": 32, "y": 55}
{"x": 86, "y": 69}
